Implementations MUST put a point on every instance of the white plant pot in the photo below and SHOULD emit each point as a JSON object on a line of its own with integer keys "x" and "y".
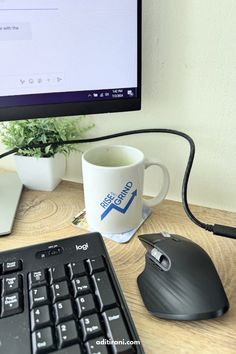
{"x": 41, "y": 173}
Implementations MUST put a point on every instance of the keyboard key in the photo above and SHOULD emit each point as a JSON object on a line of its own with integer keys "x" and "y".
{"x": 94, "y": 348}
{"x": 103, "y": 290}
{"x": 76, "y": 269}
{"x": 60, "y": 291}
{"x": 91, "y": 327}
{"x": 11, "y": 266}
{"x": 57, "y": 273}
{"x": 11, "y": 284}
{"x": 37, "y": 278}
{"x": 40, "y": 317}
{"x": 96, "y": 264}
{"x": 63, "y": 311}
{"x": 12, "y": 304}
{"x": 85, "y": 305}
{"x": 81, "y": 286}
{"x": 116, "y": 331}
{"x": 75, "y": 349}
{"x": 42, "y": 340}
{"x": 38, "y": 296}
{"x": 67, "y": 333}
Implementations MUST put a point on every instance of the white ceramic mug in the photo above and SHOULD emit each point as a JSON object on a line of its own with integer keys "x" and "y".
{"x": 113, "y": 187}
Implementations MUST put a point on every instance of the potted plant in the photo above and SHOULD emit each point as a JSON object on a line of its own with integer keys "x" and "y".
{"x": 42, "y": 168}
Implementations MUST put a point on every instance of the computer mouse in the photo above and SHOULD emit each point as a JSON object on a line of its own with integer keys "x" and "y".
{"x": 180, "y": 281}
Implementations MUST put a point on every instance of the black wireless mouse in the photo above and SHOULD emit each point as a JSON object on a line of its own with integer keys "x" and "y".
{"x": 180, "y": 281}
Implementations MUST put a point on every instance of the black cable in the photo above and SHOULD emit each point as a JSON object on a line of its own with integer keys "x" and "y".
{"x": 221, "y": 230}
{"x": 5, "y": 154}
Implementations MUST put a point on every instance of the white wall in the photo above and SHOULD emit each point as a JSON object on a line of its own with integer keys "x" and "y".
{"x": 189, "y": 84}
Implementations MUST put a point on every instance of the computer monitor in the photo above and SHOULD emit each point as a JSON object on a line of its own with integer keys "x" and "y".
{"x": 61, "y": 58}
{"x": 71, "y": 57}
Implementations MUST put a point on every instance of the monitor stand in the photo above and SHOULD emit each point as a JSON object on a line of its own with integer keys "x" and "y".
{"x": 10, "y": 192}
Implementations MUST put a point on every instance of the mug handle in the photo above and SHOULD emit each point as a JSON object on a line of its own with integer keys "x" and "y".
{"x": 165, "y": 185}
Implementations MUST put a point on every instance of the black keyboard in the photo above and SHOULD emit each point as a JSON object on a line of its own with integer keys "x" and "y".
{"x": 63, "y": 297}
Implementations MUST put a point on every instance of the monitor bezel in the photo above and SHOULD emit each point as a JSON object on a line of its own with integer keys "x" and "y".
{"x": 81, "y": 108}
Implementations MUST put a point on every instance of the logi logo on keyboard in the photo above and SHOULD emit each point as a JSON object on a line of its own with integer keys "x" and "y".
{"x": 83, "y": 247}
{"x": 115, "y": 201}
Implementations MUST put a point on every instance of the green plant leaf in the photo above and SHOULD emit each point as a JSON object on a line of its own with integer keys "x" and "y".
{"x": 19, "y": 134}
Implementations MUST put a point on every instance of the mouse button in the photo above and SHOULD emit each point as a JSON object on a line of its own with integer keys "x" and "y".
{"x": 160, "y": 259}
{"x": 168, "y": 247}
{"x": 176, "y": 246}
{"x": 178, "y": 238}
{"x": 179, "y": 254}
{"x": 150, "y": 239}
{"x": 165, "y": 263}
{"x": 166, "y": 234}
{"x": 152, "y": 264}
{"x": 175, "y": 239}
{"x": 156, "y": 254}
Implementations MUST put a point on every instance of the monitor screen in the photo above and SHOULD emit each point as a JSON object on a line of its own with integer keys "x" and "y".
{"x": 69, "y": 57}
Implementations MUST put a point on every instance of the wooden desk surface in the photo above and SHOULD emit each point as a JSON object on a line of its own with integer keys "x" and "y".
{"x": 46, "y": 216}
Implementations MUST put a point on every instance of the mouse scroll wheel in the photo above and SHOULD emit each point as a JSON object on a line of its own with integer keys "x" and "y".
{"x": 160, "y": 257}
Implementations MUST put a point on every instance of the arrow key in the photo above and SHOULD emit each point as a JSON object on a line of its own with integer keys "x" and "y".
{"x": 40, "y": 317}
{"x": 67, "y": 333}
{"x": 85, "y": 305}
{"x": 60, "y": 291}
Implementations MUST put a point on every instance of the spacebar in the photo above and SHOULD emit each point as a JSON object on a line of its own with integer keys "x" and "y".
{"x": 117, "y": 332}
